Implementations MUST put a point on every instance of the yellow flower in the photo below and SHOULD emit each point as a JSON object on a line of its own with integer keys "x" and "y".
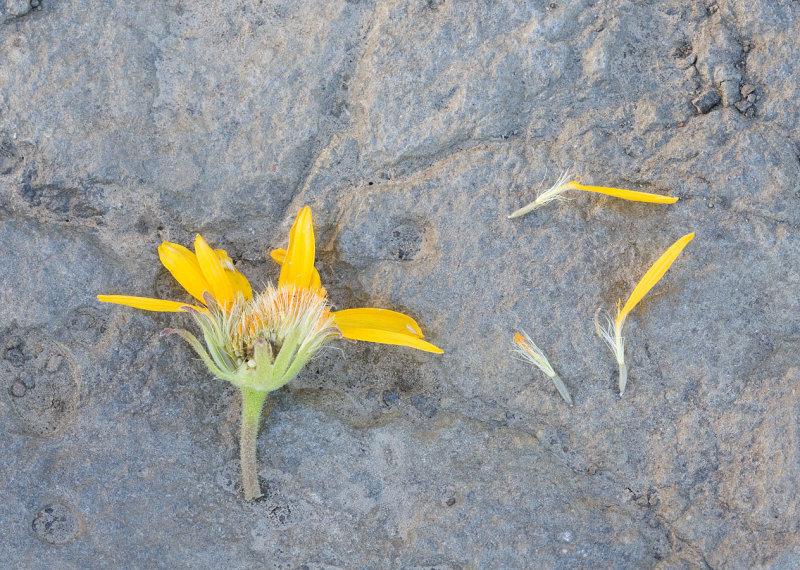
{"x": 612, "y": 334}
{"x": 260, "y": 343}
{"x": 561, "y": 186}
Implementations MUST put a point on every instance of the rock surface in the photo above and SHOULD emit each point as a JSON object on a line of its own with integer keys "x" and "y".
{"x": 412, "y": 129}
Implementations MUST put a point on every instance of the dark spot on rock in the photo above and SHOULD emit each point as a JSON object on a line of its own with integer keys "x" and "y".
{"x": 228, "y": 477}
{"x": 142, "y": 226}
{"x": 409, "y": 382}
{"x": 279, "y": 514}
{"x": 27, "y": 381}
{"x": 9, "y": 157}
{"x": 61, "y": 202}
{"x": 424, "y": 405}
{"x": 279, "y": 511}
{"x": 86, "y": 324}
{"x": 337, "y": 107}
{"x": 17, "y": 389}
{"x": 43, "y": 382}
{"x": 397, "y": 239}
{"x": 405, "y": 242}
{"x": 55, "y": 523}
{"x": 433, "y": 4}
{"x": 705, "y": 102}
{"x": 13, "y": 352}
{"x": 745, "y": 107}
{"x": 390, "y": 397}
{"x": 683, "y": 50}
{"x": 450, "y": 502}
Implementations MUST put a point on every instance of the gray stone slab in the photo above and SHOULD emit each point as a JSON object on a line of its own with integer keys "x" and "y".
{"x": 411, "y": 129}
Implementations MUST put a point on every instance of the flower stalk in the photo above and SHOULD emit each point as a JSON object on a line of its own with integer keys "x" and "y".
{"x": 252, "y": 406}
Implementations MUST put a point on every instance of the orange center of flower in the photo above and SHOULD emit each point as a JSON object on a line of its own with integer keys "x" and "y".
{"x": 275, "y": 314}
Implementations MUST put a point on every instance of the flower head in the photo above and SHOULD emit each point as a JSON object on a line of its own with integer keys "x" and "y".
{"x": 261, "y": 342}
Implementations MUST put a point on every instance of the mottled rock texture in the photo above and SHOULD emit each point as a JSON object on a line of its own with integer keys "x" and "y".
{"x": 412, "y": 129}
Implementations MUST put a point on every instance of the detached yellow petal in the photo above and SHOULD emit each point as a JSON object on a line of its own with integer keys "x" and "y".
{"x": 183, "y": 266}
{"x": 146, "y": 303}
{"x": 239, "y": 281}
{"x": 221, "y": 286}
{"x": 381, "y": 319}
{"x": 653, "y": 275}
{"x": 298, "y": 267}
{"x": 389, "y": 337}
{"x": 554, "y": 193}
{"x": 624, "y": 194}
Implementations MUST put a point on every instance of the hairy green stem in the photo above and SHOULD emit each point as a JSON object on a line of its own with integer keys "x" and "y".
{"x": 252, "y": 404}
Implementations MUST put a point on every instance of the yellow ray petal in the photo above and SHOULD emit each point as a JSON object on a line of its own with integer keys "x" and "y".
{"x": 240, "y": 284}
{"x": 146, "y": 303}
{"x": 381, "y": 319}
{"x": 389, "y": 337}
{"x": 298, "y": 267}
{"x": 316, "y": 281}
{"x": 624, "y": 194}
{"x": 279, "y": 255}
{"x": 183, "y": 266}
{"x": 221, "y": 286}
{"x": 239, "y": 281}
{"x": 653, "y": 275}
